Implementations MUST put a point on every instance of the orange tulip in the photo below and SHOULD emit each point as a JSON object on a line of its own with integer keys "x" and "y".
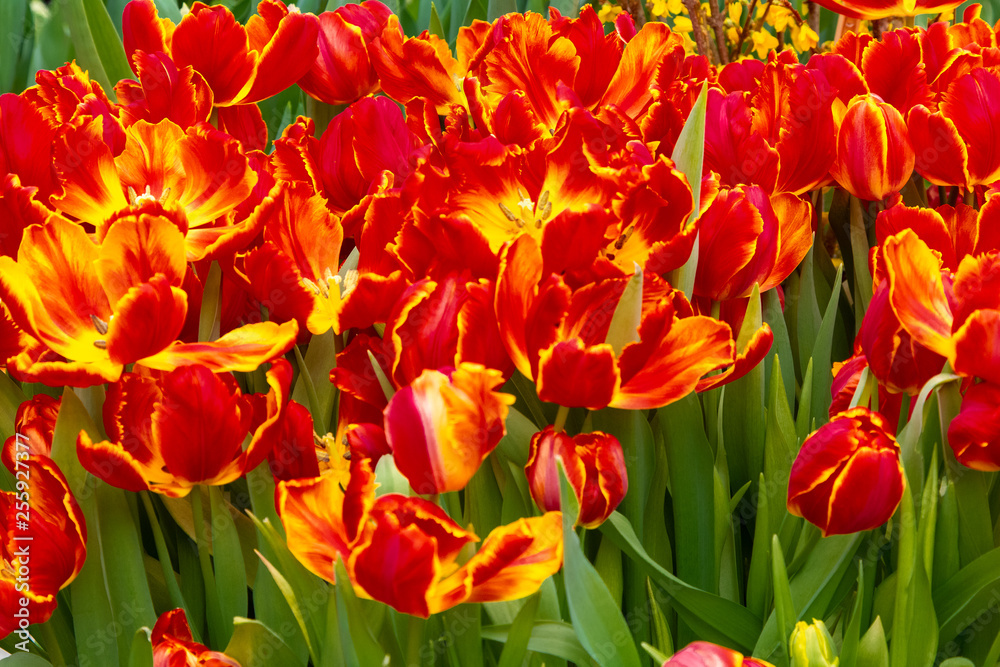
{"x": 93, "y": 309}
{"x": 183, "y": 429}
{"x": 878, "y": 9}
{"x": 874, "y": 155}
{"x": 42, "y": 543}
{"x": 974, "y": 434}
{"x": 242, "y": 64}
{"x": 595, "y": 466}
{"x": 443, "y": 425}
{"x": 342, "y": 72}
{"x": 847, "y": 477}
{"x": 34, "y": 425}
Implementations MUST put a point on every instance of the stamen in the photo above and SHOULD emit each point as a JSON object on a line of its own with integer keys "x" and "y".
{"x": 99, "y": 324}
{"x": 507, "y": 212}
{"x": 101, "y": 344}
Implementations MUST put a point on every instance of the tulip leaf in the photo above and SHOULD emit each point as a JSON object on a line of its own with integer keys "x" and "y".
{"x": 313, "y": 385}
{"x": 26, "y": 660}
{"x": 946, "y": 552}
{"x": 121, "y": 551}
{"x": 434, "y": 25}
{"x": 742, "y": 420}
{"x": 624, "y": 327}
{"x": 356, "y": 637}
{"x": 230, "y": 572}
{"x": 596, "y": 617}
{"x": 852, "y": 633}
{"x": 141, "y": 653}
{"x": 497, "y": 8}
{"x": 961, "y": 598}
{"x": 808, "y": 316}
{"x": 255, "y": 645}
{"x": 813, "y": 585}
{"x": 959, "y": 662}
{"x": 783, "y": 606}
{"x": 308, "y": 632}
{"x": 710, "y": 616}
{"x": 519, "y": 635}
{"x": 782, "y": 345}
{"x": 210, "y": 318}
{"x": 689, "y": 158}
{"x": 780, "y": 448}
{"x": 11, "y": 398}
{"x": 873, "y": 650}
{"x": 555, "y": 638}
{"x": 821, "y": 356}
{"x": 662, "y": 639}
{"x": 568, "y": 8}
{"x": 804, "y": 423}
{"x": 692, "y": 490}
{"x": 758, "y": 581}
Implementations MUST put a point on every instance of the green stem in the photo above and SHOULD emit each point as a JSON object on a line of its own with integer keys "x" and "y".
{"x": 47, "y": 637}
{"x": 561, "y": 417}
{"x": 176, "y": 597}
{"x": 207, "y": 573}
{"x": 414, "y": 640}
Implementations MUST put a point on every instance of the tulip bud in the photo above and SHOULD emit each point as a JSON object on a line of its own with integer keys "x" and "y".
{"x": 595, "y": 467}
{"x": 874, "y": 155}
{"x": 812, "y": 646}
{"x": 847, "y": 476}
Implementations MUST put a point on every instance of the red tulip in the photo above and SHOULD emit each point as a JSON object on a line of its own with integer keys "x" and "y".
{"x": 595, "y": 466}
{"x": 874, "y": 154}
{"x": 705, "y": 654}
{"x": 847, "y": 477}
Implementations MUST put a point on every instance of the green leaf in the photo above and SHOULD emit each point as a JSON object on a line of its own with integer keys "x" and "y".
{"x": 121, "y": 551}
{"x": 497, "y": 8}
{"x": 554, "y": 638}
{"x": 809, "y": 318}
{"x": 873, "y": 651}
{"x": 141, "y": 654}
{"x": 254, "y": 645}
{"x": 813, "y": 586}
{"x": 624, "y": 327}
{"x": 784, "y": 608}
{"x": 758, "y": 581}
{"x": 568, "y": 8}
{"x": 209, "y": 320}
{"x": 782, "y": 346}
{"x": 516, "y": 646}
{"x": 313, "y": 386}
{"x": 689, "y": 158}
{"x": 710, "y": 616}
{"x": 109, "y": 45}
{"x": 963, "y": 597}
{"x": 292, "y": 599}
{"x": 852, "y": 634}
{"x": 435, "y": 26}
{"x": 803, "y": 418}
{"x": 26, "y": 660}
{"x": 742, "y": 418}
{"x": 596, "y": 618}
{"x": 15, "y": 50}
{"x": 780, "y": 448}
{"x": 355, "y": 635}
{"x": 230, "y": 572}
{"x": 821, "y": 356}
{"x": 692, "y": 489}
{"x": 662, "y": 640}
{"x": 459, "y": 8}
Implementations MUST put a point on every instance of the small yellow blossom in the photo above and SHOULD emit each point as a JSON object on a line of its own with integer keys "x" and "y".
{"x": 689, "y": 46}
{"x": 735, "y": 11}
{"x": 676, "y": 7}
{"x": 763, "y": 41}
{"x": 659, "y": 9}
{"x": 683, "y": 24}
{"x": 780, "y": 18}
{"x": 608, "y": 13}
{"x": 733, "y": 35}
{"x": 804, "y": 38}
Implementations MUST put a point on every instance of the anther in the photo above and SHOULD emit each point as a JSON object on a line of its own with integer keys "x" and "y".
{"x": 99, "y": 324}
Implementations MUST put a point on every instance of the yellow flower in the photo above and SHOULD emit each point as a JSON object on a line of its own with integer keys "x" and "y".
{"x": 660, "y": 8}
{"x": 735, "y": 11}
{"x": 689, "y": 45}
{"x": 608, "y": 13}
{"x": 676, "y": 7}
{"x": 763, "y": 41}
{"x": 804, "y": 38}
{"x": 780, "y": 18}
{"x": 683, "y": 25}
{"x": 733, "y": 35}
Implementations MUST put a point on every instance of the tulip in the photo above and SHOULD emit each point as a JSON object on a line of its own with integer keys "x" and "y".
{"x": 56, "y": 533}
{"x": 879, "y": 9}
{"x": 182, "y": 429}
{"x": 443, "y": 425}
{"x": 705, "y": 654}
{"x": 34, "y": 425}
{"x": 812, "y": 646}
{"x": 847, "y": 477}
{"x": 342, "y": 72}
{"x": 974, "y": 433}
{"x": 173, "y": 644}
{"x": 949, "y": 143}
{"x": 595, "y": 466}
{"x": 746, "y": 238}
{"x": 874, "y": 155}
